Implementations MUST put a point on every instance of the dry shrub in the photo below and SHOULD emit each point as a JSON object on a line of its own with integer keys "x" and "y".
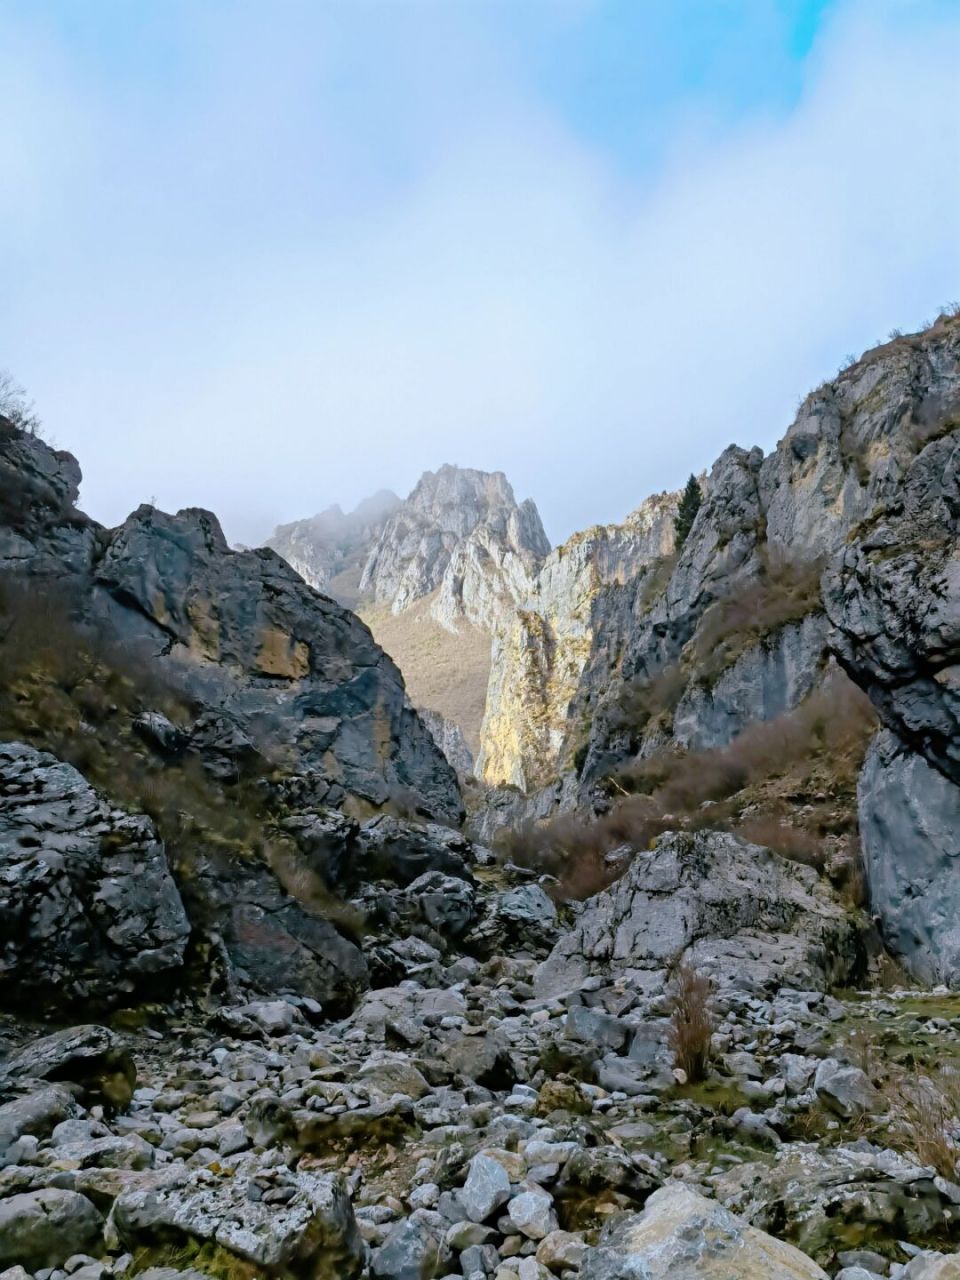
{"x": 837, "y": 719}
{"x": 829, "y": 730}
{"x": 925, "y": 1118}
{"x": 691, "y": 1022}
{"x": 641, "y": 701}
{"x": 577, "y": 850}
{"x": 787, "y": 592}
{"x": 793, "y": 843}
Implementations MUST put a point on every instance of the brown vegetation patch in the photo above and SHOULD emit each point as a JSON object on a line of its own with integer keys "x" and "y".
{"x": 789, "y": 784}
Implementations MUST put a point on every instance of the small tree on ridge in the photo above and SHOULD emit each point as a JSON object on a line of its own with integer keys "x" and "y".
{"x": 687, "y": 510}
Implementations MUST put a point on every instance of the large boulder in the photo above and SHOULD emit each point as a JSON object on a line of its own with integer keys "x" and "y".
{"x": 93, "y": 1058}
{"x": 88, "y": 908}
{"x": 242, "y": 632}
{"x": 737, "y": 911}
{"x": 852, "y": 1196}
{"x": 41, "y": 1229}
{"x": 910, "y": 833}
{"x": 681, "y": 1235}
{"x": 283, "y": 1222}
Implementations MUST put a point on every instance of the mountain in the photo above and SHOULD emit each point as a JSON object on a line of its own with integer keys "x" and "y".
{"x": 460, "y": 570}
{"x": 329, "y": 550}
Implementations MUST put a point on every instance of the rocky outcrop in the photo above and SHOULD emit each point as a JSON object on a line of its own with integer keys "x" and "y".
{"x": 771, "y": 678}
{"x": 463, "y": 532}
{"x": 910, "y": 833}
{"x": 89, "y": 911}
{"x": 238, "y": 632}
{"x": 330, "y": 550}
{"x": 893, "y": 596}
{"x": 449, "y": 738}
{"x": 736, "y": 911}
{"x": 865, "y": 482}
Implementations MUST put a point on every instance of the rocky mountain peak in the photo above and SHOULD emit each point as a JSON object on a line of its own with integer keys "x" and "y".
{"x": 447, "y": 509}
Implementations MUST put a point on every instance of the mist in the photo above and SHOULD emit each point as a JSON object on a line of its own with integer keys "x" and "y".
{"x": 275, "y": 258}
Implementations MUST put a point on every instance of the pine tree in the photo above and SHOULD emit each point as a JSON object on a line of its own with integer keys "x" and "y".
{"x": 687, "y": 510}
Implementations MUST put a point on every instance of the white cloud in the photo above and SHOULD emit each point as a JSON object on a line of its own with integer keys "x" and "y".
{"x": 271, "y": 289}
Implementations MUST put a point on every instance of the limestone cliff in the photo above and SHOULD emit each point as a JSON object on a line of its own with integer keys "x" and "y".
{"x": 542, "y": 647}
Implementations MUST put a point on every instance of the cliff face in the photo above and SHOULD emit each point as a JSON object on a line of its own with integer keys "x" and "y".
{"x": 736, "y": 630}
{"x": 542, "y": 647}
{"x": 491, "y": 628}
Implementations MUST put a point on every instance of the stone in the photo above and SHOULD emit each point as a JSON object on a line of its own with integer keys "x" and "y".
{"x": 561, "y": 1250}
{"x": 35, "y": 1115}
{"x": 312, "y": 1229}
{"x": 394, "y": 1073}
{"x": 910, "y": 831}
{"x": 44, "y": 1228}
{"x": 486, "y": 1189}
{"x": 932, "y": 1266}
{"x": 413, "y": 1249}
{"x": 93, "y": 1057}
{"x": 90, "y": 907}
{"x": 850, "y": 1192}
{"x": 738, "y": 912}
{"x": 845, "y": 1090}
{"x": 447, "y": 903}
{"x": 681, "y": 1235}
{"x": 531, "y": 1213}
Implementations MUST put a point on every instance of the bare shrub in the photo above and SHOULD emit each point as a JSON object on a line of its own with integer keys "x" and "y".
{"x": 15, "y": 407}
{"x": 793, "y": 843}
{"x": 925, "y": 1117}
{"x": 691, "y": 1022}
{"x": 641, "y": 701}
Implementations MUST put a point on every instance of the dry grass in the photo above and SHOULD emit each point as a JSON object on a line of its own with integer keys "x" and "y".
{"x": 925, "y": 1118}
{"x": 691, "y": 1022}
{"x": 447, "y": 673}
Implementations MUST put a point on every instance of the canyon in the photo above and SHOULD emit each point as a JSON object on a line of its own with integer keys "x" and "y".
{"x": 361, "y": 895}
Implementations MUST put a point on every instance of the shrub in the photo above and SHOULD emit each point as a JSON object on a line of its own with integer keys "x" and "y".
{"x": 15, "y": 407}
{"x": 691, "y": 1022}
{"x": 793, "y": 843}
{"x": 787, "y": 592}
{"x": 641, "y": 701}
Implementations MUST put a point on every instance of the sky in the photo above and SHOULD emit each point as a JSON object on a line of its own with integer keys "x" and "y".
{"x": 264, "y": 257}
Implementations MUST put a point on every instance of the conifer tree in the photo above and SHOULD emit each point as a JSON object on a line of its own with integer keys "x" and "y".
{"x": 689, "y": 506}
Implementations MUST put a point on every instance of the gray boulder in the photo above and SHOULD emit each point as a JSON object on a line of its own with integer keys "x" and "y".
{"x": 309, "y": 1228}
{"x": 88, "y": 907}
{"x": 847, "y": 1091}
{"x": 94, "y": 1058}
{"x": 910, "y": 834}
{"x": 738, "y": 912}
{"x": 681, "y": 1235}
{"x": 44, "y": 1228}
{"x": 34, "y": 1115}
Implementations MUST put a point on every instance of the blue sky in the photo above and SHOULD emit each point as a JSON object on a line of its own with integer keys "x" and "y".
{"x": 264, "y": 257}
